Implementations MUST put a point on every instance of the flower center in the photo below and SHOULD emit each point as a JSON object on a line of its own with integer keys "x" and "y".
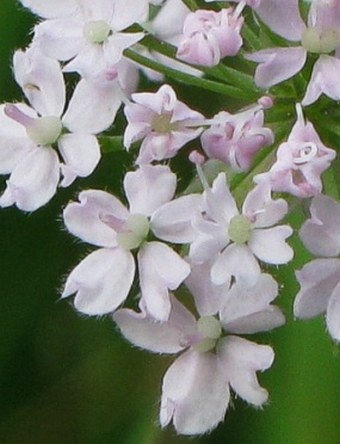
{"x": 96, "y": 31}
{"x": 320, "y": 42}
{"x": 211, "y": 330}
{"x": 239, "y": 230}
{"x": 134, "y": 231}
{"x": 161, "y": 123}
{"x": 45, "y": 130}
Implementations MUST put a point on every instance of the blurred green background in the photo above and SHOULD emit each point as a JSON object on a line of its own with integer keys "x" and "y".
{"x": 68, "y": 379}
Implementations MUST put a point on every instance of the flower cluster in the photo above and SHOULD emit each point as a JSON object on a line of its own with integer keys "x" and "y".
{"x": 157, "y": 244}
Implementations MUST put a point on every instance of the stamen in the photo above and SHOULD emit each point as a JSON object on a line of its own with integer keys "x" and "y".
{"x": 308, "y": 151}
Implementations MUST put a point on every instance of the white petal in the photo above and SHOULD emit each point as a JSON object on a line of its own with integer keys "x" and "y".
{"x": 195, "y": 393}
{"x": 159, "y": 337}
{"x": 89, "y": 219}
{"x": 47, "y": 10}
{"x": 160, "y": 269}
{"x": 14, "y": 142}
{"x": 34, "y": 180}
{"x": 172, "y": 222}
{"x": 248, "y": 310}
{"x": 220, "y": 204}
{"x": 101, "y": 281}
{"x": 243, "y": 359}
{"x": 237, "y": 261}
{"x": 321, "y": 233}
{"x": 42, "y": 81}
{"x": 318, "y": 280}
{"x": 124, "y": 17}
{"x": 268, "y": 244}
{"x": 148, "y": 188}
{"x": 81, "y": 154}
{"x": 333, "y": 314}
{"x": 92, "y": 108}
{"x": 209, "y": 298}
{"x": 261, "y": 209}
{"x": 60, "y": 39}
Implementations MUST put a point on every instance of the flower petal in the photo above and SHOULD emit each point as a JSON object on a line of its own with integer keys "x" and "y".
{"x": 243, "y": 359}
{"x": 34, "y": 180}
{"x": 160, "y": 269}
{"x": 248, "y": 310}
{"x": 158, "y": 337}
{"x": 333, "y": 314}
{"x": 195, "y": 393}
{"x": 318, "y": 280}
{"x": 81, "y": 154}
{"x": 268, "y": 244}
{"x": 321, "y": 233}
{"x": 172, "y": 221}
{"x": 277, "y": 64}
{"x": 91, "y": 220}
{"x": 148, "y": 188}
{"x": 101, "y": 281}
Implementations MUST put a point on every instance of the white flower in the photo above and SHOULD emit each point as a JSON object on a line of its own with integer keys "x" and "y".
{"x": 28, "y": 135}
{"x": 196, "y": 387}
{"x": 88, "y": 33}
{"x": 102, "y": 220}
{"x": 233, "y": 240}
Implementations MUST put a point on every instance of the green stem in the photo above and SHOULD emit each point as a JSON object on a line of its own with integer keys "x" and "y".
{"x": 209, "y": 85}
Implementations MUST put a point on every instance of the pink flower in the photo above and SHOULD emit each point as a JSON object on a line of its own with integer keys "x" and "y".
{"x": 164, "y": 123}
{"x": 320, "y": 278}
{"x": 196, "y": 387}
{"x": 235, "y": 139}
{"x": 103, "y": 279}
{"x": 209, "y": 36}
{"x": 300, "y": 161}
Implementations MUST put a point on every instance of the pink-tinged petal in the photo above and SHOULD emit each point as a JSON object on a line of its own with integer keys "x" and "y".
{"x": 219, "y": 202}
{"x": 321, "y": 233}
{"x": 209, "y": 298}
{"x": 60, "y": 39}
{"x": 237, "y": 261}
{"x": 242, "y": 359}
{"x": 81, "y": 154}
{"x": 261, "y": 209}
{"x": 149, "y": 187}
{"x": 324, "y": 80}
{"x": 317, "y": 280}
{"x": 159, "y": 337}
{"x": 14, "y": 142}
{"x": 93, "y": 219}
{"x": 268, "y": 244}
{"x": 92, "y": 108}
{"x": 124, "y": 16}
{"x": 248, "y": 310}
{"x": 283, "y": 17}
{"x": 277, "y": 64}
{"x": 172, "y": 222}
{"x": 195, "y": 393}
{"x": 43, "y": 8}
{"x": 101, "y": 281}
{"x": 41, "y": 80}
{"x": 160, "y": 270}
{"x": 333, "y": 314}
{"x": 34, "y": 180}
